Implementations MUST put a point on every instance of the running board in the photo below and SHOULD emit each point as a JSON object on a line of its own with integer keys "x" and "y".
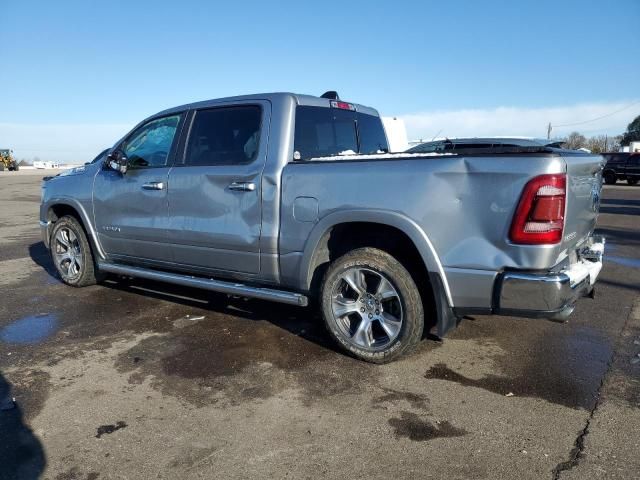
{"x": 231, "y": 288}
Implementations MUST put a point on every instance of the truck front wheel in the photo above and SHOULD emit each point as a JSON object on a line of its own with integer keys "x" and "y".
{"x": 371, "y": 306}
{"x": 71, "y": 253}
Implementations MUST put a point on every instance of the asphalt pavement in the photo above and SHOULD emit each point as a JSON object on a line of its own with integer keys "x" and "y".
{"x": 137, "y": 379}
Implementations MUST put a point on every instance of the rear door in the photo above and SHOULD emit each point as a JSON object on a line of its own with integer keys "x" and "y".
{"x": 215, "y": 189}
{"x": 130, "y": 210}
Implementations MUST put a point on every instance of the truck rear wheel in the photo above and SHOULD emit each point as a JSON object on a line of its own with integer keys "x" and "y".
{"x": 610, "y": 178}
{"x": 371, "y": 306}
{"x": 71, "y": 253}
{"x": 632, "y": 181}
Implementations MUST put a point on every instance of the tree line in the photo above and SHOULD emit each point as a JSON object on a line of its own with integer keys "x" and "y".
{"x": 604, "y": 143}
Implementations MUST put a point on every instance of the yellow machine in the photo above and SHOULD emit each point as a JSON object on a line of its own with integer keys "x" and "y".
{"x": 7, "y": 161}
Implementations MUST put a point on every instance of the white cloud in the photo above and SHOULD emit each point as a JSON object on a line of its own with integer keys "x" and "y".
{"x": 67, "y": 143}
{"x": 516, "y": 121}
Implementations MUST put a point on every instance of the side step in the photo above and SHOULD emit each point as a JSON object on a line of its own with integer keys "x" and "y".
{"x": 221, "y": 286}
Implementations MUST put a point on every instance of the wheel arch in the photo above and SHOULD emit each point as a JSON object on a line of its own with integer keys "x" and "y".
{"x": 316, "y": 245}
{"x": 317, "y": 253}
{"x": 60, "y": 207}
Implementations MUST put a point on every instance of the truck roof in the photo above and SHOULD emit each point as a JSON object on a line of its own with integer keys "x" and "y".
{"x": 274, "y": 97}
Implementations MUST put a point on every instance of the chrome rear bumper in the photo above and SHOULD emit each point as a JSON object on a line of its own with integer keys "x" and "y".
{"x": 550, "y": 295}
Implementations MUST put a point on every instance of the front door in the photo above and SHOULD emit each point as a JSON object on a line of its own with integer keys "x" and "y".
{"x": 131, "y": 209}
{"x": 215, "y": 191}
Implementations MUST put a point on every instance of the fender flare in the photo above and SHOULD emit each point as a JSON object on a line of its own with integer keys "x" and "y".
{"x": 84, "y": 216}
{"x": 393, "y": 219}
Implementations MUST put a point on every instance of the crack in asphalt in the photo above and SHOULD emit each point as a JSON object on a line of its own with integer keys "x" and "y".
{"x": 576, "y": 452}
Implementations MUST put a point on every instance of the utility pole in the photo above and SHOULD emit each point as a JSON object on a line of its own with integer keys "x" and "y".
{"x": 549, "y": 131}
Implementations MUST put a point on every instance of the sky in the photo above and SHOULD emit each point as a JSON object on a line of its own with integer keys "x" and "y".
{"x": 77, "y": 75}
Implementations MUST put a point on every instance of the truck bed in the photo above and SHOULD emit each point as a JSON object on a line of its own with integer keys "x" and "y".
{"x": 463, "y": 203}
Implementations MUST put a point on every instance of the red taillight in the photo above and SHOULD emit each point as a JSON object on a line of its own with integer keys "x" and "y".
{"x": 539, "y": 218}
{"x": 342, "y": 105}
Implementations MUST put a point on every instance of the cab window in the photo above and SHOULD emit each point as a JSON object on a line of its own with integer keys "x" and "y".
{"x": 323, "y": 132}
{"x": 224, "y": 136}
{"x": 149, "y": 146}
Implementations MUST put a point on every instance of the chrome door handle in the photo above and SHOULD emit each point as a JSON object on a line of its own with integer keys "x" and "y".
{"x": 153, "y": 186}
{"x": 243, "y": 186}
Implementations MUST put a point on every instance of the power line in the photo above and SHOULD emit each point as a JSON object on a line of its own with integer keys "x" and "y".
{"x": 597, "y": 118}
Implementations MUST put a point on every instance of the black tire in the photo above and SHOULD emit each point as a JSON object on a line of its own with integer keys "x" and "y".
{"x": 404, "y": 303}
{"x": 632, "y": 181}
{"x": 610, "y": 178}
{"x": 84, "y": 271}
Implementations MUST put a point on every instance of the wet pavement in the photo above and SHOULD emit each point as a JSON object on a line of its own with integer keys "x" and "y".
{"x": 137, "y": 379}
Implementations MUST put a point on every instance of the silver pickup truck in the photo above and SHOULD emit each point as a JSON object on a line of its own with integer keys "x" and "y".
{"x": 293, "y": 198}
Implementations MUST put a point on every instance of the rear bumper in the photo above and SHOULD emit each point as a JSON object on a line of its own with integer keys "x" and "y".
{"x": 550, "y": 295}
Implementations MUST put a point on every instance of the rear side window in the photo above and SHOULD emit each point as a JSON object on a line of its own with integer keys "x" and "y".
{"x": 372, "y": 136}
{"x": 322, "y": 132}
{"x": 615, "y": 159}
{"x": 224, "y": 136}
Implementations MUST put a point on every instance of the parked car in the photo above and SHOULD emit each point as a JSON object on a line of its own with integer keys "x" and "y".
{"x": 287, "y": 197}
{"x": 457, "y": 145}
{"x": 622, "y": 166}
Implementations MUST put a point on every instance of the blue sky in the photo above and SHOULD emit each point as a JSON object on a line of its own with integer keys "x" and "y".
{"x": 78, "y": 74}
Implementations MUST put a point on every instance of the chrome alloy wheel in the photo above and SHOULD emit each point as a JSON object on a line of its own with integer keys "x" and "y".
{"x": 68, "y": 253}
{"x": 367, "y": 308}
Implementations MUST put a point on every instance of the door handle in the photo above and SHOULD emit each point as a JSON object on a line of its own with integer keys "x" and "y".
{"x": 242, "y": 186}
{"x": 153, "y": 186}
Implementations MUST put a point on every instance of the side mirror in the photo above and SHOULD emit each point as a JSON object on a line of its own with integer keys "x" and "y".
{"x": 117, "y": 161}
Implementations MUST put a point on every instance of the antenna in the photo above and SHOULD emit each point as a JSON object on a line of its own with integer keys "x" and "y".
{"x": 331, "y": 95}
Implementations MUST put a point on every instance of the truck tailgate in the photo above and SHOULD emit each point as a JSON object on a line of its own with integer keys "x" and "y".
{"x": 584, "y": 185}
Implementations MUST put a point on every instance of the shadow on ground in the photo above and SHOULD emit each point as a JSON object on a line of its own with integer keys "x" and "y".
{"x": 40, "y": 256}
{"x": 21, "y": 454}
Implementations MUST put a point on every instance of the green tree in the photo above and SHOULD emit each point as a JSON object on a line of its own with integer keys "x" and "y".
{"x": 633, "y": 132}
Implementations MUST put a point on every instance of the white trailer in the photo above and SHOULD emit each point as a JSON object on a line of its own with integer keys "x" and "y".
{"x": 396, "y": 134}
